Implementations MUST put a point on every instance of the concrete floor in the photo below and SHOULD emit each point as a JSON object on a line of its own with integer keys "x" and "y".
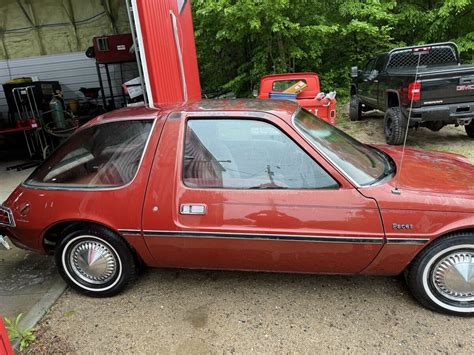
{"x": 25, "y": 277}
{"x": 9, "y": 179}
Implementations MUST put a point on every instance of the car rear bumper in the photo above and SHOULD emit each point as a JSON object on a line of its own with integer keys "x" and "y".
{"x": 4, "y": 243}
{"x": 6, "y": 221}
{"x": 449, "y": 113}
{"x": 8, "y": 230}
{"x": 10, "y": 238}
{"x": 6, "y": 217}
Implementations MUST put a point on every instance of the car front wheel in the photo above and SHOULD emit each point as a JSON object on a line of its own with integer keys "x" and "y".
{"x": 355, "y": 109}
{"x": 442, "y": 276}
{"x": 95, "y": 261}
{"x": 470, "y": 129}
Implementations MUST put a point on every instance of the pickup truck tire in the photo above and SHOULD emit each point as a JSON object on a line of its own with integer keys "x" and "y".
{"x": 355, "y": 109}
{"x": 470, "y": 129}
{"x": 395, "y": 126}
{"x": 95, "y": 261}
{"x": 439, "y": 275}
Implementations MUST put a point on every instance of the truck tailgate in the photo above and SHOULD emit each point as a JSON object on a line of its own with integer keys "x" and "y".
{"x": 444, "y": 85}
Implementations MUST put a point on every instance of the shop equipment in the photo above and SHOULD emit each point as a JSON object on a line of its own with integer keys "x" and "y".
{"x": 111, "y": 50}
{"x": 30, "y": 122}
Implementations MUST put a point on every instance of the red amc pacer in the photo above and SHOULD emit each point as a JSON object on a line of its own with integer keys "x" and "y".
{"x": 246, "y": 185}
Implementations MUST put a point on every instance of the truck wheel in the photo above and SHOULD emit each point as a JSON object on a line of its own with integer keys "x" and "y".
{"x": 440, "y": 277}
{"x": 355, "y": 109}
{"x": 395, "y": 126}
{"x": 470, "y": 129}
{"x": 95, "y": 261}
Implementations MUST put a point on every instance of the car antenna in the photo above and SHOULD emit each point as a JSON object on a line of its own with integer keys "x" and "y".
{"x": 416, "y": 51}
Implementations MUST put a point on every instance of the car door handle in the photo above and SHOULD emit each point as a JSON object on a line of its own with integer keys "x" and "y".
{"x": 199, "y": 209}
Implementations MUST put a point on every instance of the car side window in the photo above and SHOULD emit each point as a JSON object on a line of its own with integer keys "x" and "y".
{"x": 103, "y": 155}
{"x": 369, "y": 66}
{"x": 379, "y": 64}
{"x": 247, "y": 154}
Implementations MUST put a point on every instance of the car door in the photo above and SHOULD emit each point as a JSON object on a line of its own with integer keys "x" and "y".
{"x": 369, "y": 84}
{"x": 378, "y": 86}
{"x": 247, "y": 192}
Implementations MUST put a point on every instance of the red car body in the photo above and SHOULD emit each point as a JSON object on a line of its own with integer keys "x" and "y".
{"x": 349, "y": 230}
{"x": 5, "y": 346}
{"x": 324, "y": 108}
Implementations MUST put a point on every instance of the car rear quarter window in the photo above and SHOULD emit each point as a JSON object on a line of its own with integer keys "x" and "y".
{"x": 103, "y": 155}
{"x": 247, "y": 154}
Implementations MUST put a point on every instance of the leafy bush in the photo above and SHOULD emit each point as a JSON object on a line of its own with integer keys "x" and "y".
{"x": 238, "y": 41}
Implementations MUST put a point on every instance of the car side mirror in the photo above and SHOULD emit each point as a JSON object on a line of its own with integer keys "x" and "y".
{"x": 354, "y": 72}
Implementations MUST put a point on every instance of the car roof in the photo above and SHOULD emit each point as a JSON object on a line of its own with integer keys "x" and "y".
{"x": 282, "y": 108}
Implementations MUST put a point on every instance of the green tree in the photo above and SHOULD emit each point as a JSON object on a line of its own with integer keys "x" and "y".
{"x": 238, "y": 41}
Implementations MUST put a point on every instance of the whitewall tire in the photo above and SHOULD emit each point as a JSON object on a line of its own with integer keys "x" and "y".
{"x": 442, "y": 276}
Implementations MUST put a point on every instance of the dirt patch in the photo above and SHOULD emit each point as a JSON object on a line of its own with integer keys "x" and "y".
{"x": 205, "y": 312}
{"x": 370, "y": 130}
{"x": 198, "y": 317}
{"x": 47, "y": 342}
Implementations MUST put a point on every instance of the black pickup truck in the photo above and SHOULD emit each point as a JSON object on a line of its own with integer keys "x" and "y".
{"x": 439, "y": 93}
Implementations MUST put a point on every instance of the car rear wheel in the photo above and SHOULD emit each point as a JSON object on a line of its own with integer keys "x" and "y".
{"x": 395, "y": 126}
{"x": 95, "y": 261}
{"x": 470, "y": 129}
{"x": 355, "y": 109}
{"x": 442, "y": 276}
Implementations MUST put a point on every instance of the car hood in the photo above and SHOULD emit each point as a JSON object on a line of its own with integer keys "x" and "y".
{"x": 429, "y": 171}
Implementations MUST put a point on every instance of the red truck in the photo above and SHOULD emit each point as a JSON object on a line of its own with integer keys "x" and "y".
{"x": 246, "y": 185}
{"x": 311, "y": 98}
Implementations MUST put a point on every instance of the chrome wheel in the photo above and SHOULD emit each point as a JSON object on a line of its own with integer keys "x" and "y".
{"x": 453, "y": 276}
{"x": 441, "y": 277}
{"x": 448, "y": 278}
{"x": 93, "y": 261}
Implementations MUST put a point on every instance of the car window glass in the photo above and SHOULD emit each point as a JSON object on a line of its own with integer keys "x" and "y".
{"x": 247, "y": 154}
{"x": 360, "y": 162}
{"x": 379, "y": 64}
{"x": 102, "y": 155}
{"x": 282, "y": 85}
{"x": 370, "y": 65}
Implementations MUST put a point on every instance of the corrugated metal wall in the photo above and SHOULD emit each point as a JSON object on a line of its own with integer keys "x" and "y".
{"x": 161, "y": 52}
{"x": 72, "y": 70}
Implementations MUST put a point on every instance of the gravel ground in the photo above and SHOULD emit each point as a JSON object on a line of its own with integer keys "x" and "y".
{"x": 449, "y": 139}
{"x": 199, "y": 312}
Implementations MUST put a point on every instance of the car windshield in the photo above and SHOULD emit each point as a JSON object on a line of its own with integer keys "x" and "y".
{"x": 363, "y": 164}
